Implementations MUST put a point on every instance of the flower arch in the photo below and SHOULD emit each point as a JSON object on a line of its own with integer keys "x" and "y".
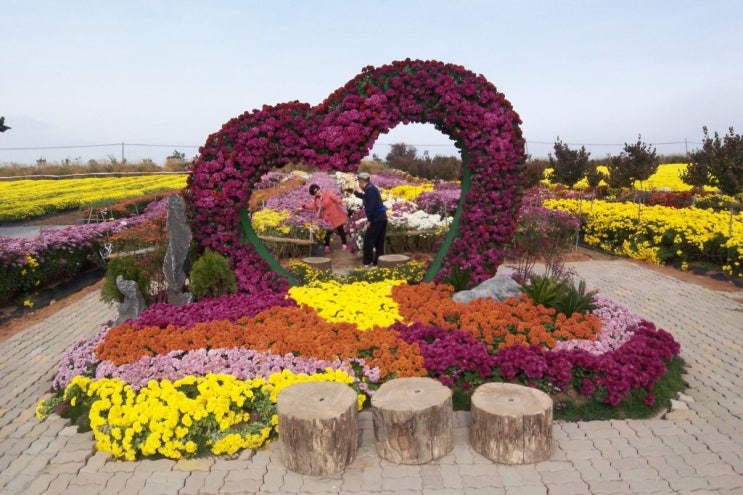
{"x": 338, "y": 133}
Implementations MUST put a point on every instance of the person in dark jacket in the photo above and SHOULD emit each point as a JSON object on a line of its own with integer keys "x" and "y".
{"x": 376, "y": 215}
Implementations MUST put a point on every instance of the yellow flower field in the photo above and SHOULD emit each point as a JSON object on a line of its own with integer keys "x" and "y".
{"x": 25, "y": 199}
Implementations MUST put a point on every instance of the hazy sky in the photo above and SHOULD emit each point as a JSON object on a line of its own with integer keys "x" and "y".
{"x": 167, "y": 73}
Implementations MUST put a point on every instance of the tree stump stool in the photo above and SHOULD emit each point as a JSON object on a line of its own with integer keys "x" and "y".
{"x": 318, "y": 427}
{"x": 318, "y": 263}
{"x": 511, "y": 424}
{"x": 392, "y": 260}
{"x": 412, "y": 420}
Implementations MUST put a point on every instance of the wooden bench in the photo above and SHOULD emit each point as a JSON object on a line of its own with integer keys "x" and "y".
{"x": 286, "y": 240}
{"x": 511, "y": 424}
{"x": 318, "y": 427}
{"x": 412, "y": 420}
{"x": 318, "y": 263}
{"x": 392, "y": 260}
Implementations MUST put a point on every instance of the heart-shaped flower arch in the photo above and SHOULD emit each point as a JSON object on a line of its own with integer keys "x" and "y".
{"x": 338, "y": 133}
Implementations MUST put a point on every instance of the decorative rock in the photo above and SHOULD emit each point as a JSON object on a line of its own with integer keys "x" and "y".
{"x": 392, "y": 260}
{"x": 179, "y": 242}
{"x": 318, "y": 427}
{"x": 500, "y": 288}
{"x": 511, "y": 424}
{"x": 133, "y": 303}
{"x": 317, "y": 262}
{"x": 412, "y": 420}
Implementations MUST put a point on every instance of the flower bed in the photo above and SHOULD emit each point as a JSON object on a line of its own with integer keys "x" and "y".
{"x": 57, "y": 255}
{"x": 660, "y": 234}
{"x": 199, "y": 383}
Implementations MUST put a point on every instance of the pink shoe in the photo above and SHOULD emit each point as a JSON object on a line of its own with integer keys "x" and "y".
{"x": 327, "y": 249}
{"x": 344, "y": 247}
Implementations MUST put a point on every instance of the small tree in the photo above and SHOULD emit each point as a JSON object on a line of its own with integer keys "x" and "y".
{"x": 533, "y": 173}
{"x": 568, "y": 166}
{"x": 719, "y": 163}
{"x": 401, "y": 156}
{"x": 594, "y": 176}
{"x": 211, "y": 276}
{"x": 637, "y": 162}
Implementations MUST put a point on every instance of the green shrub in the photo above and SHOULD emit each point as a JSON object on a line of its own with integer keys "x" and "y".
{"x": 576, "y": 300}
{"x": 459, "y": 279}
{"x": 126, "y": 266}
{"x": 560, "y": 294}
{"x": 211, "y": 276}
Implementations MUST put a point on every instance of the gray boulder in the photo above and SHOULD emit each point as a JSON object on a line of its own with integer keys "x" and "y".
{"x": 500, "y": 288}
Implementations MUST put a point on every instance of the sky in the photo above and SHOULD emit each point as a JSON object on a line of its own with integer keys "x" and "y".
{"x": 136, "y": 79}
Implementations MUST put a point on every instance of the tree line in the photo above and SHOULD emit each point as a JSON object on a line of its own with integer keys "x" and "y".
{"x": 718, "y": 163}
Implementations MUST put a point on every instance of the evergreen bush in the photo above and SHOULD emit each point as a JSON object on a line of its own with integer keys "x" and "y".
{"x": 211, "y": 276}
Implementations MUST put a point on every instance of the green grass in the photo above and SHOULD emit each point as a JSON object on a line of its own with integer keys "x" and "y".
{"x": 632, "y": 407}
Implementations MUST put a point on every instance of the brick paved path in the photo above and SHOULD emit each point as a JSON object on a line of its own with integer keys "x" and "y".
{"x": 702, "y": 455}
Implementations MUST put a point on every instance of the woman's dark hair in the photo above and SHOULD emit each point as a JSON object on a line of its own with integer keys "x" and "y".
{"x": 314, "y": 188}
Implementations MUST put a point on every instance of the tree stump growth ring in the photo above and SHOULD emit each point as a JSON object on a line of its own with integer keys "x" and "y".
{"x": 511, "y": 424}
{"x": 318, "y": 262}
{"x": 318, "y": 427}
{"x": 412, "y": 420}
{"x": 392, "y": 260}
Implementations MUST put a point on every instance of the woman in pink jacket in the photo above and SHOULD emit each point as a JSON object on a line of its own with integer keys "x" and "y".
{"x": 329, "y": 207}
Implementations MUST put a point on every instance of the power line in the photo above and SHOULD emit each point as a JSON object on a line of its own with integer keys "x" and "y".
{"x": 36, "y": 148}
{"x": 99, "y": 146}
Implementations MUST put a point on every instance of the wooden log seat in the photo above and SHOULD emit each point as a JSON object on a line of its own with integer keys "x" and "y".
{"x": 319, "y": 263}
{"x": 392, "y": 260}
{"x": 412, "y": 420}
{"x": 318, "y": 427}
{"x": 511, "y": 424}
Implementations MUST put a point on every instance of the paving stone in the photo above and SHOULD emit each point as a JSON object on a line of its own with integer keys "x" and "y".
{"x": 696, "y": 454}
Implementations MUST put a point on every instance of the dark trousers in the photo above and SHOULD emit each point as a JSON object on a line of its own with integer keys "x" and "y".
{"x": 374, "y": 242}
{"x": 338, "y": 230}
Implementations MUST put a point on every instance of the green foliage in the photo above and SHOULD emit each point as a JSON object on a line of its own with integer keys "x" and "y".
{"x": 127, "y": 267}
{"x": 459, "y": 279}
{"x": 211, "y": 276}
{"x": 559, "y": 293}
{"x": 568, "y": 166}
{"x": 412, "y": 272}
{"x": 719, "y": 163}
{"x": 636, "y": 162}
{"x": 576, "y": 300}
{"x": 632, "y": 407}
{"x": 544, "y": 290}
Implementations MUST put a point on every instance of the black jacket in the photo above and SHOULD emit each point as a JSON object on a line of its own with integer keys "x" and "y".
{"x": 373, "y": 205}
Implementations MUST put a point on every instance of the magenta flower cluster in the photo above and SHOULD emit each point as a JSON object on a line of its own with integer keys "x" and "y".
{"x": 230, "y": 307}
{"x": 458, "y": 360}
{"x": 340, "y": 131}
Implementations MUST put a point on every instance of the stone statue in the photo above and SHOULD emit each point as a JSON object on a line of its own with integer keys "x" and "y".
{"x": 134, "y": 302}
{"x": 179, "y": 241}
